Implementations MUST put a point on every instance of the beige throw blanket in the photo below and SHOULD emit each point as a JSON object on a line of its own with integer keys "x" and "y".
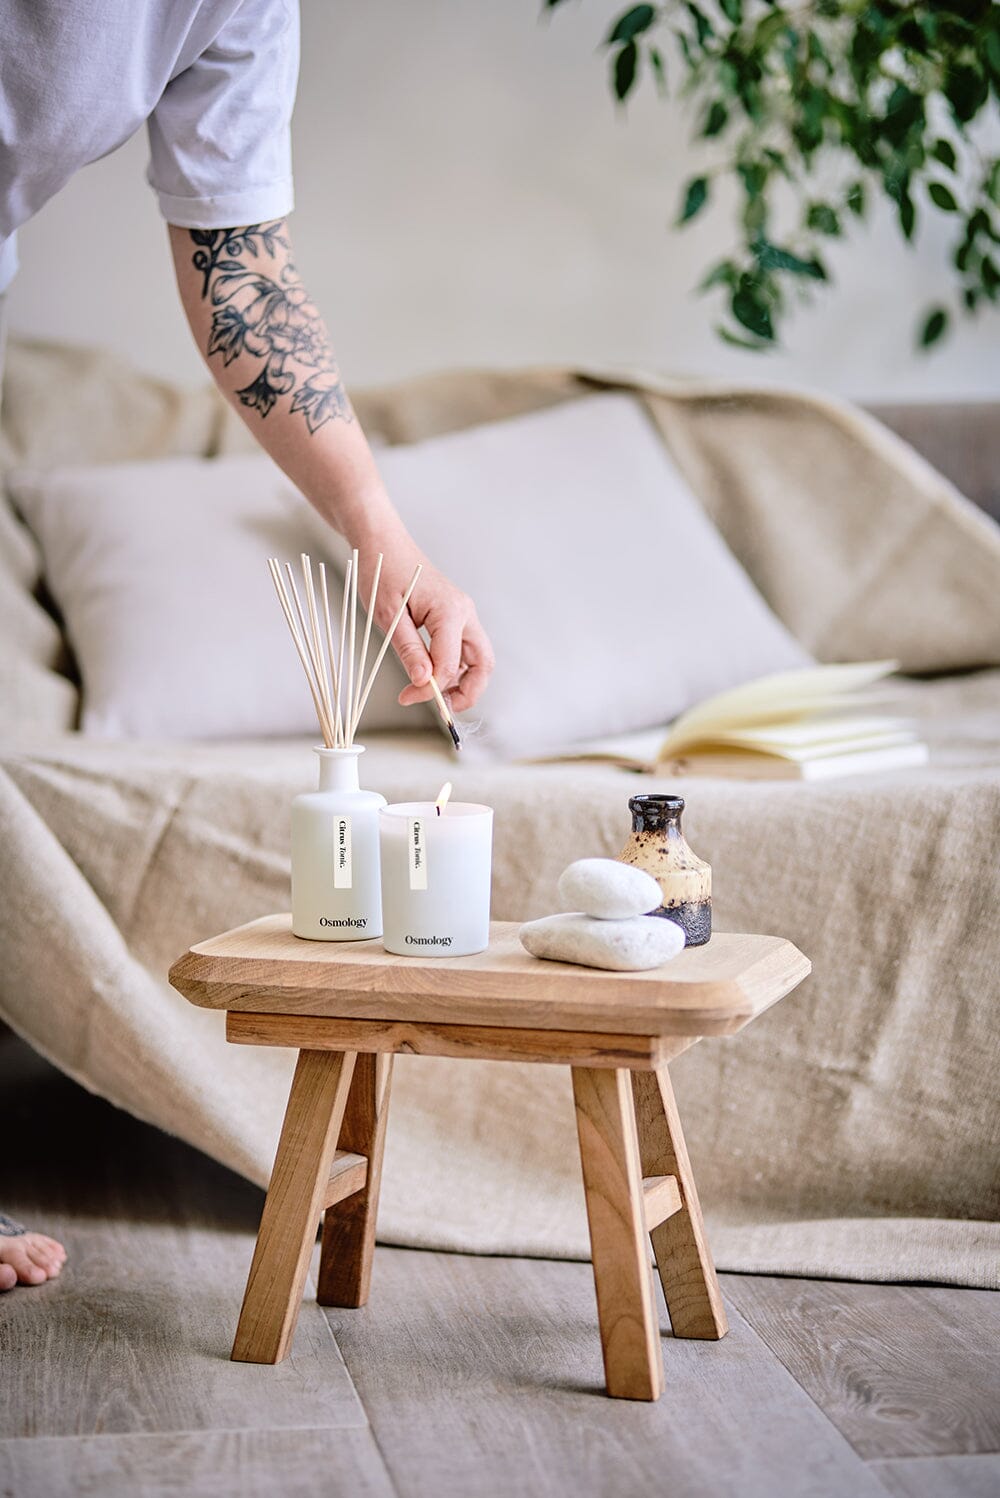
{"x": 853, "y": 1131}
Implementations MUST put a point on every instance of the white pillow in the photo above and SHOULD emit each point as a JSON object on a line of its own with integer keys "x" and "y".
{"x": 612, "y": 602}
{"x": 160, "y": 571}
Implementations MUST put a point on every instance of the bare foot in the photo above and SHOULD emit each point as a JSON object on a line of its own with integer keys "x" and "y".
{"x": 27, "y": 1258}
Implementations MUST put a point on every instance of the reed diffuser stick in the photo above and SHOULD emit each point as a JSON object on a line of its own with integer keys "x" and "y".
{"x": 387, "y": 641}
{"x": 317, "y": 639}
{"x": 363, "y": 657}
{"x": 279, "y": 587}
{"x": 336, "y": 678}
{"x": 351, "y": 643}
{"x": 446, "y": 712}
{"x": 343, "y": 712}
{"x": 334, "y": 668}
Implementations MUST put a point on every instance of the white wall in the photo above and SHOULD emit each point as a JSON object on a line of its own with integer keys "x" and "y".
{"x": 467, "y": 194}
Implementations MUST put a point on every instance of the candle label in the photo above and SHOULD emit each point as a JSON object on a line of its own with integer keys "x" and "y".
{"x": 418, "y": 853}
{"x": 343, "y": 873}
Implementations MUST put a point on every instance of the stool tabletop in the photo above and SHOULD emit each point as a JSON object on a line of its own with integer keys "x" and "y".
{"x": 711, "y": 990}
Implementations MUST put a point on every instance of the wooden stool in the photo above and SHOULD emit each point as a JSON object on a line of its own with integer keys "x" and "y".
{"x": 350, "y": 1006}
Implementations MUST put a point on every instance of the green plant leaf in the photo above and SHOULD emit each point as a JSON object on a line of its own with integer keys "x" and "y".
{"x": 659, "y": 69}
{"x": 907, "y": 215}
{"x": 991, "y": 51}
{"x": 695, "y": 198}
{"x": 632, "y": 24}
{"x": 823, "y": 219}
{"x": 716, "y": 120}
{"x": 992, "y": 184}
{"x": 934, "y": 326}
{"x": 944, "y": 151}
{"x": 773, "y": 257}
{"x": 942, "y": 196}
{"x": 625, "y": 65}
{"x": 702, "y": 25}
{"x": 855, "y": 199}
{"x": 966, "y": 90}
{"x": 751, "y": 310}
{"x": 753, "y": 346}
{"x": 732, "y": 10}
{"x": 723, "y": 274}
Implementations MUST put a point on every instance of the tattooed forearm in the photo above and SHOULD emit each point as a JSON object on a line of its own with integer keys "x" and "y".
{"x": 260, "y": 309}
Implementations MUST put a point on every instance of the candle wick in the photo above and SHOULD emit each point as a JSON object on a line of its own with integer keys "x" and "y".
{"x": 438, "y": 810}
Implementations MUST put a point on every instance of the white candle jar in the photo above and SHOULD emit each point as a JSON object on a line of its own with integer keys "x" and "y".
{"x": 336, "y": 889}
{"x": 436, "y": 873}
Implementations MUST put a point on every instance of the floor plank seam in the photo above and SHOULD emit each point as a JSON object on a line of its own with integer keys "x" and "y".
{"x": 779, "y": 1359}
{"x": 928, "y": 1456}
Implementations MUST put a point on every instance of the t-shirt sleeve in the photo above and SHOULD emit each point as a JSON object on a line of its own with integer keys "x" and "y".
{"x": 220, "y": 136}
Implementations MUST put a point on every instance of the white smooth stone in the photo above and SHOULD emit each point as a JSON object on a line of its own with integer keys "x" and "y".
{"x": 608, "y": 889}
{"x": 626, "y": 946}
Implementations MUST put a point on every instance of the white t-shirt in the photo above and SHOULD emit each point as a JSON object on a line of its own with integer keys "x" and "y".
{"x": 214, "y": 79}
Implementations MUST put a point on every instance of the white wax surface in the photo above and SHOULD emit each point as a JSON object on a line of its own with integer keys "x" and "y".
{"x": 436, "y": 873}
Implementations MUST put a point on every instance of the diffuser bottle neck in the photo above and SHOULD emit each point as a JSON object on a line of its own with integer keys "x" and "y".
{"x": 338, "y": 769}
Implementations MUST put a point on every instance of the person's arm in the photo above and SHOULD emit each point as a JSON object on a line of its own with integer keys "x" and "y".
{"x": 270, "y": 354}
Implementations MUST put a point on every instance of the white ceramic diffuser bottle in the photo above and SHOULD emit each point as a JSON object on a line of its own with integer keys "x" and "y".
{"x": 336, "y": 885}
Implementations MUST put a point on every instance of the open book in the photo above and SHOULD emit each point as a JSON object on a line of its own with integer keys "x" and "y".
{"x": 812, "y": 724}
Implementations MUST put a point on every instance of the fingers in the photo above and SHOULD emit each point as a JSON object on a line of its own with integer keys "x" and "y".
{"x": 413, "y": 656}
{"x": 477, "y": 652}
{"x": 446, "y": 648}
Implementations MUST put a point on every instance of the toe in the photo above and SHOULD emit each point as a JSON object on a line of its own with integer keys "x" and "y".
{"x": 8, "y": 1277}
{"x": 39, "y": 1254}
{"x": 57, "y": 1249}
{"x": 28, "y": 1272}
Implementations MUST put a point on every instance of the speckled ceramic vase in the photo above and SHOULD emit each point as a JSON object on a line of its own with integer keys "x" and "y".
{"x": 658, "y": 845}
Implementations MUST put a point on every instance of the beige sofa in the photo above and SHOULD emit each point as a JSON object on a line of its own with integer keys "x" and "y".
{"x": 853, "y": 1131}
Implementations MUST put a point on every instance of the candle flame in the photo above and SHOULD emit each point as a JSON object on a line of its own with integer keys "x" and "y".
{"x": 443, "y": 795}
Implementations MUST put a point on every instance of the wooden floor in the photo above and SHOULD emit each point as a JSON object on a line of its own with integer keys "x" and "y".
{"x": 463, "y": 1378}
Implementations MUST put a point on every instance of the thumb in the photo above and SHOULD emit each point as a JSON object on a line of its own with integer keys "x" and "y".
{"x": 412, "y": 652}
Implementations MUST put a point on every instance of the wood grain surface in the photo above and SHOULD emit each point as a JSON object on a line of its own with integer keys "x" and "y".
{"x": 468, "y": 1377}
{"x": 301, "y": 1463}
{"x": 295, "y": 1197}
{"x": 612, "y": 1184}
{"x": 484, "y": 1042}
{"x": 482, "y": 1378}
{"x": 348, "y": 1248}
{"x": 902, "y": 1371}
{"x": 709, "y": 990}
{"x": 680, "y": 1246}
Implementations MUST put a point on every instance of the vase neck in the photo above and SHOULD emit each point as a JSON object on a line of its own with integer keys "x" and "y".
{"x": 657, "y": 812}
{"x": 338, "y": 769}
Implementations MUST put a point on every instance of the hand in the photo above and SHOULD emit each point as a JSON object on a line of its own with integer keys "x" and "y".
{"x": 461, "y": 656}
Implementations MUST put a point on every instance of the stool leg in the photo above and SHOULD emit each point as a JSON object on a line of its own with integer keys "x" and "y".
{"x": 609, "y": 1154}
{"x": 294, "y": 1202}
{"x": 687, "y": 1273}
{"x": 345, "y": 1267}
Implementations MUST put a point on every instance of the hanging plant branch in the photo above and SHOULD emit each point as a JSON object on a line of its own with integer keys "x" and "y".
{"x": 835, "y": 103}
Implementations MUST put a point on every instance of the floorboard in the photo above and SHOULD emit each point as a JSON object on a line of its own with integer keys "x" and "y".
{"x": 208, "y": 1464}
{"x": 464, "y": 1377}
{"x": 941, "y": 1476}
{"x": 135, "y": 1334}
{"x": 901, "y": 1370}
{"x": 482, "y": 1378}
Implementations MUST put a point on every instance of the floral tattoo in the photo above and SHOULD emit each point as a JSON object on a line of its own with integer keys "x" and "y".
{"x": 264, "y": 311}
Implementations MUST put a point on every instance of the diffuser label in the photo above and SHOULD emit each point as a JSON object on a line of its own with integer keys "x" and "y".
{"x": 343, "y": 874}
{"x": 418, "y": 853}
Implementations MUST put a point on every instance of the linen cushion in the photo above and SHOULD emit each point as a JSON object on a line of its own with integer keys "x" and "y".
{"x": 612, "y": 602}
{"x": 159, "y": 570}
